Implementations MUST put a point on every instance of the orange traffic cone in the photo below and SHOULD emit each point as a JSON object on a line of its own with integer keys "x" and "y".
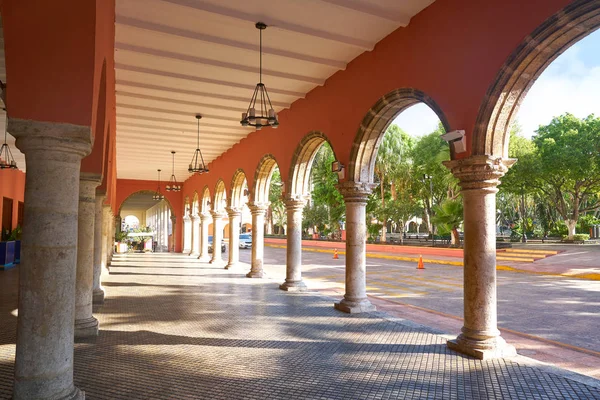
{"x": 420, "y": 263}
{"x": 335, "y": 255}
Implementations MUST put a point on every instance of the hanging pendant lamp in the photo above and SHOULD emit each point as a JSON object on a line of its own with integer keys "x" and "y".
{"x": 197, "y": 165}
{"x": 158, "y": 195}
{"x": 262, "y": 114}
{"x": 173, "y": 185}
{"x": 6, "y": 157}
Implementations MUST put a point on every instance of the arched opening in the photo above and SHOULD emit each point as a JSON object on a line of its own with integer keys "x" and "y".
{"x": 239, "y": 200}
{"x": 153, "y": 230}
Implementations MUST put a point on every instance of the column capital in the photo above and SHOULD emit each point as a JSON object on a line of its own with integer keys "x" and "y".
{"x": 205, "y": 216}
{"x": 479, "y": 172}
{"x": 258, "y": 208}
{"x": 51, "y": 138}
{"x": 186, "y": 218}
{"x": 354, "y": 192}
{"x": 233, "y": 211}
{"x": 218, "y": 215}
{"x": 195, "y": 218}
{"x": 295, "y": 204}
{"x": 87, "y": 186}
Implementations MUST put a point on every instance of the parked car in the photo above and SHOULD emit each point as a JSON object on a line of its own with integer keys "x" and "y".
{"x": 245, "y": 241}
{"x": 210, "y": 244}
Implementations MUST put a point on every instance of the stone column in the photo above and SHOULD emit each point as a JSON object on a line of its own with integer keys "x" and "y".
{"x": 258, "y": 211}
{"x": 195, "y": 236}
{"x": 217, "y": 217}
{"x": 105, "y": 234}
{"x": 204, "y": 222}
{"x": 234, "y": 215}
{"x": 293, "y": 276}
{"x": 355, "y": 300}
{"x": 85, "y": 323}
{"x": 98, "y": 291}
{"x": 173, "y": 227}
{"x": 187, "y": 235}
{"x": 479, "y": 177}
{"x": 45, "y": 325}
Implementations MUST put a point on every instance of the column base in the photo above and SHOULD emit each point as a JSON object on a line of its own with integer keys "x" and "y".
{"x": 294, "y": 286}
{"x": 256, "y": 274}
{"x": 75, "y": 394}
{"x": 85, "y": 328}
{"x": 487, "y": 349}
{"x": 232, "y": 265}
{"x": 355, "y": 307}
{"x": 98, "y": 296}
{"x": 213, "y": 261}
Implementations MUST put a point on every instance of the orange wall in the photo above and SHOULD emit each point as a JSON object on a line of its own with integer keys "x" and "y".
{"x": 12, "y": 185}
{"x": 126, "y": 187}
{"x": 452, "y": 51}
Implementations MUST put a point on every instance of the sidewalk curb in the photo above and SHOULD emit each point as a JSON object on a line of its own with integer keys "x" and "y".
{"x": 584, "y": 276}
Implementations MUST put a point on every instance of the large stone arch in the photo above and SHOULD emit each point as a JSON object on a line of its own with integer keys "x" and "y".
{"x": 237, "y": 188}
{"x": 364, "y": 149}
{"x": 205, "y": 200}
{"x": 220, "y": 200}
{"x": 262, "y": 178}
{"x": 522, "y": 68}
{"x": 150, "y": 192}
{"x": 302, "y": 160}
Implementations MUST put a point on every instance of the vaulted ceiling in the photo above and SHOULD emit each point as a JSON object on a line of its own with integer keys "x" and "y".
{"x": 177, "y": 58}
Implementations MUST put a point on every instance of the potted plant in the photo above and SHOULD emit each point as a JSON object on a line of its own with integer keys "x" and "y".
{"x": 10, "y": 249}
{"x": 16, "y": 236}
{"x": 121, "y": 239}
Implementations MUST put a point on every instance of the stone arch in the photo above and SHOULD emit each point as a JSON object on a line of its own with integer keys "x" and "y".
{"x": 195, "y": 207}
{"x": 302, "y": 160}
{"x": 220, "y": 200}
{"x": 205, "y": 201}
{"x": 150, "y": 192}
{"x": 262, "y": 178}
{"x": 373, "y": 126}
{"x": 237, "y": 188}
{"x": 522, "y": 68}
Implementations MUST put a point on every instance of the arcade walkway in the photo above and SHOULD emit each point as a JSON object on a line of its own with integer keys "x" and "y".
{"x": 174, "y": 328}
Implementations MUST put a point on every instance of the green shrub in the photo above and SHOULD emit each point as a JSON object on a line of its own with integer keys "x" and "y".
{"x": 579, "y": 237}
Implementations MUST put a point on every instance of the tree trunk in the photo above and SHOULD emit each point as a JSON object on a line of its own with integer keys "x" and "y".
{"x": 571, "y": 223}
{"x": 455, "y": 241}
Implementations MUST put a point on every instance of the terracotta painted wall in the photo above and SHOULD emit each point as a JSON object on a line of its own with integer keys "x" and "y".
{"x": 12, "y": 186}
{"x": 126, "y": 187}
{"x": 452, "y": 51}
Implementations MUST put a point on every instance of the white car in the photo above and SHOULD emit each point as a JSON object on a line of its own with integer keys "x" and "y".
{"x": 245, "y": 241}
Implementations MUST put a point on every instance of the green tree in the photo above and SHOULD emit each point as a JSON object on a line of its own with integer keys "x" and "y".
{"x": 564, "y": 166}
{"x": 449, "y": 216}
{"x": 276, "y": 213}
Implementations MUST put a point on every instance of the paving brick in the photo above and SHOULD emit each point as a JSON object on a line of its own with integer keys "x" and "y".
{"x": 174, "y": 328}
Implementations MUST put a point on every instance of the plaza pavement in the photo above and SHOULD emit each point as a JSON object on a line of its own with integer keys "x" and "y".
{"x": 175, "y": 328}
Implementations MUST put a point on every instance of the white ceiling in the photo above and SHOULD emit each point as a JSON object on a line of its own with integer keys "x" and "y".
{"x": 177, "y": 58}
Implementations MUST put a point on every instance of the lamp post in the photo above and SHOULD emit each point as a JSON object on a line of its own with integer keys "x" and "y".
{"x": 523, "y": 236}
{"x": 430, "y": 178}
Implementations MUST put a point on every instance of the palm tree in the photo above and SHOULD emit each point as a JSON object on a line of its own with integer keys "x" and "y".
{"x": 449, "y": 214}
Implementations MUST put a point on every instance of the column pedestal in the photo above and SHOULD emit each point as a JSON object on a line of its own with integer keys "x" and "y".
{"x": 258, "y": 211}
{"x": 355, "y": 300}
{"x": 234, "y": 215}
{"x": 217, "y": 236}
{"x": 204, "y": 222}
{"x": 293, "y": 277}
{"x": 45, "y": 325}
{"x": 479, "y": 177}
{"x": 85, "y": 323}
{"x": 98, "y": 291}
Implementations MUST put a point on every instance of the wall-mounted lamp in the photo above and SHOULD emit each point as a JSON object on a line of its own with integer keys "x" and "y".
{"x": 338, "y": 167}
{"x": 246, "y": 192}
{"x": 457, "y": 139}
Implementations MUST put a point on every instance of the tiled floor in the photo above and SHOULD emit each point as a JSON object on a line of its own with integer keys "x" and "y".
{"x": 173, "y": 328}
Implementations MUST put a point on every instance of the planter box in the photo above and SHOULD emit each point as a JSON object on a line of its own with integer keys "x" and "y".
{"x": 7, "y": 255}
{"x": 122, "y": 248}
{"x": 17, "y": 251}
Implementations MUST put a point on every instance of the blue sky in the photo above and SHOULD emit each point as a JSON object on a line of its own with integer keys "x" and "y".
{"x": 570, "y": 84}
